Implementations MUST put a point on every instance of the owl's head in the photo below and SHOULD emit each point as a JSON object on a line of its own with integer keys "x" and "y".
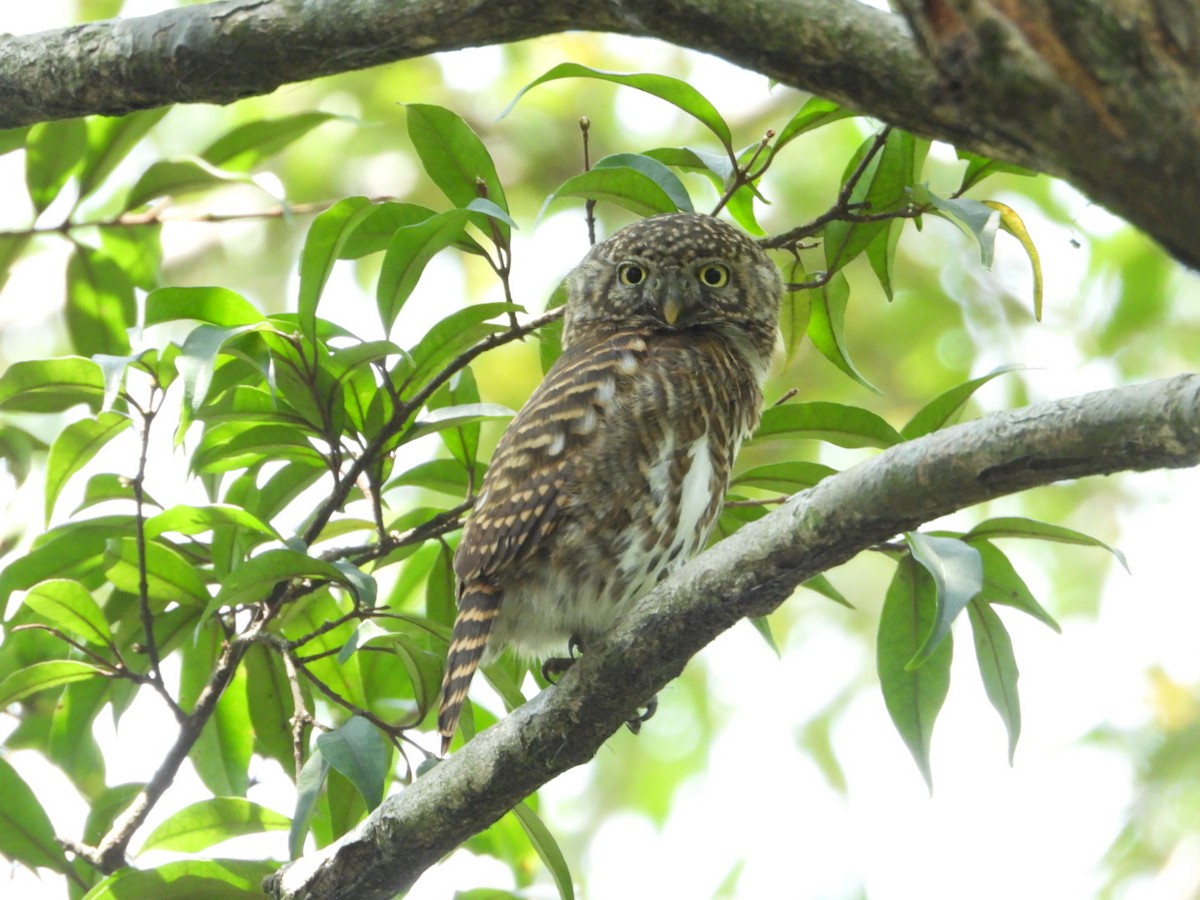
{"x": 677, "y": 272}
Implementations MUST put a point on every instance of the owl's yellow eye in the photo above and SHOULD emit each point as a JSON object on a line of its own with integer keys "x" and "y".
{"x": 631, "y": 273}
{"x": 714, "y": 275}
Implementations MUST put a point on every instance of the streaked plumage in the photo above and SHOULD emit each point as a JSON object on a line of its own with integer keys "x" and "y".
{"x": 613, "y": 472}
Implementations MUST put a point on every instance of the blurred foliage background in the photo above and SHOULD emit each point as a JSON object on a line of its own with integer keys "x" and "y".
{"x": 758, "y": 768}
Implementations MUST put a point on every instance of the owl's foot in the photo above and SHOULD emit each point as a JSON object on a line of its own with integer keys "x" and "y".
{"x": 635, "y": 724}
{"x": 556, "y": 666}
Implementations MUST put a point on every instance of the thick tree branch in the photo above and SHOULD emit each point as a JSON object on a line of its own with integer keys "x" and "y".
{"x": 1102, "y": 93}
{"x": 1149, "y": 426}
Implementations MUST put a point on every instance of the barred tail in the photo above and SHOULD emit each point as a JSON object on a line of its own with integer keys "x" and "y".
{"x": 477, "y": 608}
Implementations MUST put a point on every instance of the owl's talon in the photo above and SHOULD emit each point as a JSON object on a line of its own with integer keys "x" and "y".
{"x": 635, "y": 724}
{"x": 555, "y": 667}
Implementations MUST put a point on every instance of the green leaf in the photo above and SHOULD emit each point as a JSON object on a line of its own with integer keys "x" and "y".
{"x": 374, "y": 231}
{"x": 196, "y": 362}
{"x": 882, "y": 188}
{"x": 826, "y": 327}
{"x": 547, "y": 849}
{"x": 1002, "y": 585}
{"x": 454, "y": 157}
{"x": 222, "y": 754}
{"x": 446, "y": 339}
{"x": 17, "y": 447}
{"x": 254, "y": 578}
{"x": 326, "y": 237}
{"x": 176, "y": 178}
{"x": 42, "y": 676}
{"x": 360, "y": 752}
{"x": 69, "y": 607}
{"x": 211, "y": 821}
{"x": 74, "y": 448}
{"x": 980, "y": 167}
{"x": 53, "y": 153}
{"x": 678, "y": 93}
{"x": 655, "y": 171}
{"x": 445, "y": 475}
{"x": 463, "y": 441}
{"x": 410, "y": 249}
{"x": 819, "y": 584}
{"x": 65, "y": 553}
{"x": 456, "y": 417}
{"x": 627, "y": 187}
{"x": 11, "y": 246}
{"x": 13, "y": 139}
{"x": 846, "y": 426}
{"x": 199, "y": 519}
{"x": 26, "y": 835}
{"x": 170, "y": 578}
{"x": 942, "y": 410}
{"x": 245, "y": 146}
{"x": 308, "y": 791}
{"x": 189, "y": 879}
{"x": 240, "y": 445}
{"x": 51, "y": 385}
{"x": 997, "y": 667}
{"x": 881, "y": 254}
{"x": 1018, "y": 527}
{"x": 215, "y": 305}
{"x": 913, "y": 696}
{"x": 137, "y": 250}
{"x": 815, "y": 113}
{"x": 957, "y": 572}
{"x": 785, "y": 477}
{"x": 109, "y": 140}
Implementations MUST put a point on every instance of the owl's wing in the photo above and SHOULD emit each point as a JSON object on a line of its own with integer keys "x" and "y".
{"x": 542, "y": 452}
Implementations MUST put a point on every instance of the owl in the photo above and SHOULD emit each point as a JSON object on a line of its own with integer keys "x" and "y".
{"x": 612, "y": 474}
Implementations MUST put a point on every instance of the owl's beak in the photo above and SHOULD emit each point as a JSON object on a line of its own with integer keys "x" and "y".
{"x": 676, "y": 289}
{"x": 671, "y": 310}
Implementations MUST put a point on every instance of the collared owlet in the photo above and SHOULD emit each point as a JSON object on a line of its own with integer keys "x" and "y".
{"x": 613, "y": 473}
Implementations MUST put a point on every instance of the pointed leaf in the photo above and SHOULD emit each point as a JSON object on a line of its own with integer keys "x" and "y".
{"x": 360, "y": 752}
{"x": 69, "y": 607}
{"x": 53, "y": 153}
{"x": 1002, "y": 585}
{"x": 940, "y": 411}
{"x": 170, "y": 577}
{"x": 109, "y": 140}
{"x": 1018, "y": 527}
{"x": 547, "y": 849}
{"x": 410, "y": 249}
{"x": 188, "y": 879}
{"x": 51, "y": 385}
{"x": 308, "y": 791}
{"x": 997, "y": 667}
{"x": 678, "y": 93}
{"x": 100, "y": 303}
{"x": 322, "y": 247}
{"x": 815, "y": 113}
{"x": 42, "y": 676}
{"x": 826, "y": 327}
{"x": 248, "y": 144}
{"x": 974, "y": 217}
{"x": 913, "y": 696}
{"x": 176, "y": 178}
{"x": 214, "y": 305}
{"x": 655, "y": 171}
{"x": 26, "y": 835}
{"x": 957, "y": 573}
{"x": 846, "y": 426}
{"x": 211, "y": 821}
{"x": 627, "y": 187}
{"x": 74, "y": 448}
{"x": 455, "y": 416}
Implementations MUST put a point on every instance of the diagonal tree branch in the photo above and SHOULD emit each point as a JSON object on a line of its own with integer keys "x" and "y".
{"x": 1149, "y": 426}
{"x": 1103, "y": 93}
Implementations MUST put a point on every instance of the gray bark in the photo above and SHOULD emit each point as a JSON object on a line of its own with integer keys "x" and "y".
{"x": 1103, "y": 93}
{"x": 1150, "y": 426}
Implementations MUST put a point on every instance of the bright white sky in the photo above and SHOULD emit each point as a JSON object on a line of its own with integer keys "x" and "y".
{"x": 1036, "y": 830}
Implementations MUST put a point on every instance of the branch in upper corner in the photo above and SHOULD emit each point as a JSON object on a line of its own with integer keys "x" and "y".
{"x": 1138, "y": 428}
